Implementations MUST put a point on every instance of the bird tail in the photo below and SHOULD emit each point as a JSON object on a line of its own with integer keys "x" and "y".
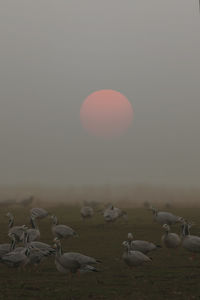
{"x": 88, "y": 268}
{"x": 150, "y": 258}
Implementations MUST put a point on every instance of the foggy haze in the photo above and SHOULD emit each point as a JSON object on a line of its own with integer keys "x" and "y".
{"x": 55, "y": 53}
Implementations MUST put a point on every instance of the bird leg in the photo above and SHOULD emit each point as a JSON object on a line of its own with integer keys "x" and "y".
{"x": 168, "y": 254}
{"x": 192, "y": 257}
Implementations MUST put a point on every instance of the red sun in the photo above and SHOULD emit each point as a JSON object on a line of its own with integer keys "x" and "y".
{"x": 106, "y": 113}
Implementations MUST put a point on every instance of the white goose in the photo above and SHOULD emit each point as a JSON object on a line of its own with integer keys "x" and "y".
{"x": 133, "y": 258}
{"x": 170, "y": 239}
{"x": 73, "y": 262}
{"x": 164, "y": 217}
{"x": 62, "y": 231}
{"x": 140, "y": 245}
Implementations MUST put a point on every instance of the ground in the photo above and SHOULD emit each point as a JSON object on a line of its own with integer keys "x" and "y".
{"x": 170, "y": 275}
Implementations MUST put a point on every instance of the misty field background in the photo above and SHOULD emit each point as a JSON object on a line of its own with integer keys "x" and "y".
{"x": 171, "y": 275}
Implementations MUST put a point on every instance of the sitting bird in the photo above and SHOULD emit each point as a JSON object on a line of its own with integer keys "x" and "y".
{"x": 87, "y": 212}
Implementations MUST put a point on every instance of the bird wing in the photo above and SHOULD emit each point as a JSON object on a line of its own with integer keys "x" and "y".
{"x": 81, "y": 258}
{"x": 13, "y": 258}
{"x": 39, "y": 212}
{"x": 33, "y": 234}
{"x": 143, "y": 246}
{"x": 194, "y": 243}
{"x": 139, "y": 256}
{"x": 4, "y": 248}
{"x": 63, "y": 230}
{"x": 45, "y": 248}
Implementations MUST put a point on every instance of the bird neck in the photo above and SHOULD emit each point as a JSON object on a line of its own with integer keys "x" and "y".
{"x": 26, "y": 239}
{"x": 33, "y": 224}
{"x": 55, "y": 220}
{"x": 12, "y": 245}
{"x": 128, "y": 249}
{"x": 186, "y": 230}
{"x": 166, "y": 232}
{"x": 59, "y": 251}
{"x": 155, "y": 211}
{"x": 11, "y": 222}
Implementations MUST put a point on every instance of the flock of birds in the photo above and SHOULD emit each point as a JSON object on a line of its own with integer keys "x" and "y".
{"x": 33, "y": 251}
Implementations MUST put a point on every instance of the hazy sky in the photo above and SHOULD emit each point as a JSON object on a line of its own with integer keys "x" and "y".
{"x": 55, "y": 53}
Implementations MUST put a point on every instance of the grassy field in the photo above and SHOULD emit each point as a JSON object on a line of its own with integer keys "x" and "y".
{"x": 171, "y": 276}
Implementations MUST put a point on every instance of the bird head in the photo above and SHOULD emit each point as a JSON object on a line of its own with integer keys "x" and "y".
{"x": 130, "y": 236}
{"x": 166, "y": 227}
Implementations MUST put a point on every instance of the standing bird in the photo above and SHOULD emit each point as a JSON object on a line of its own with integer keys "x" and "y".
{"x": 33, "y": 233}
{"x": 13, "y": 247}
{"x": 140, "y": 245}
{"x": 38, "y": 250}
{"x": 164, "y": 217}
{"x": 39, "y": 213}
{"x": 43, "y": 247}
{"x": 17, "y": 230}
{"x": 16, "y": 259}
{"x": 73, "y": 262}
{"x": 133, "y": 258}
{"x": 190, "y": 242}
{"x": 169, "y": 239}
{"x": 87, "y": 212}
{"x": 62, "y": 231}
